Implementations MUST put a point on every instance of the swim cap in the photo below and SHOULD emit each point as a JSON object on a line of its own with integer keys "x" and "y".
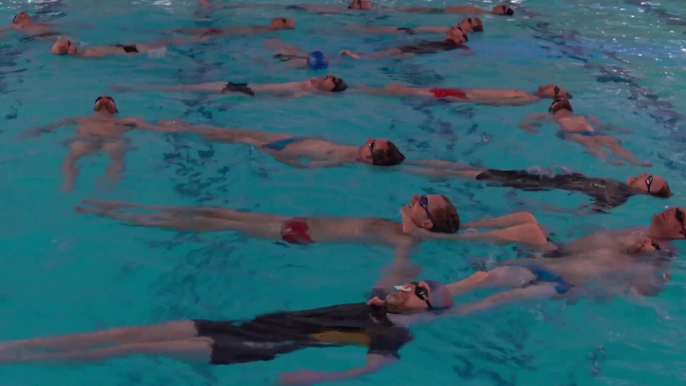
{"x": 440, "y": 297}
{"x": 316, "y": 60}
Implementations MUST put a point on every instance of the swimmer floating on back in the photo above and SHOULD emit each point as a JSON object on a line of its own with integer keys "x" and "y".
{"x": 325, "y": 84}
{"x": 468, "y": 25}
{"x": 290, "y": 150}
{"x": 491, "y": 97}
{"x": 607, "y": 194}
{"x": 22, "y": 23}
{"x": 577, "y": 128}
{"x": 290, "y": 56}
{"x": 359, "y": 5}
{"x": 275, "y": 24}
{"x": 66, "y": 47}
{"x": 454, "y": 41}
{"x": 502, "y": 10}
{"x": 101, "y": 132}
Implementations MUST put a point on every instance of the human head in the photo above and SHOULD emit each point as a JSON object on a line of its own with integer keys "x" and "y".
{"x": 329, "y": 83}
{"x": 22, "y": 18}
{"x": 668, "y": 224}
{"x": 434, "y": 212}
{"x": 63, "y": 47}
{"x": 316, "y": 60}
{"x": 281, "y": 23}
{"x": 560, "y": 104}
{"x": 362, "y": 5}
{"x": 503, "y": 9}
{"x": 651, "y": 184}
{"x": 380, "y": 152}
{"x": 552, "y": 91}
{"x": 419, "y": 296}
{"x": 457, "y": 34}
{"x": 471, "y": 24}
{"x": 106, "y": 104}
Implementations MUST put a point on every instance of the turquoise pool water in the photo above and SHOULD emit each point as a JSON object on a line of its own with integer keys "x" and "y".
{"x": 64, "y": 272}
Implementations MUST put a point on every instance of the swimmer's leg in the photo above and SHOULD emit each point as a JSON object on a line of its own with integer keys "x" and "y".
{"x": 219, "y": 213}
{"x": 77, "y": 148}
{"x": 264, "y": 230}
{"x": 379, "y": 54}
{"x": 196, "y": 350}
{"x": 540, "y": 291}
{"x": 620, "y": 152}
{"x": 116, "y": 150}
{"x": 595, "y": 148}
{"x": 170, "y": 331}
{"x": 496, "y": 278}
{"x": 213, "y": 87}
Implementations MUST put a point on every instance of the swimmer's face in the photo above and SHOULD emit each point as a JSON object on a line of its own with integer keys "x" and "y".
{"x": 105, "y": 103}
{"x": 21, "y": 18}
{"x": 649, "y": 183}
{"x": 363, "y": 5}
{"x": 370, "y": 148}
{"x": 423, "y": 209}
{"x": 457, "y": 34}
{"x": 553, "y": 91}
{"x": 410, "y": 298}
{"x": 471, "y": 24}
{"x": 63, "y": 47}
{"x": 503, "y": 10}
{"x": 281, "y": 23}
{"x": 328, "y": 83}
{"x": 669, "y": 224}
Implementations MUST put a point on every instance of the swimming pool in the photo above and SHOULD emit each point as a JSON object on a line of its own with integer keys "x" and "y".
{"x": 65, "y": 272}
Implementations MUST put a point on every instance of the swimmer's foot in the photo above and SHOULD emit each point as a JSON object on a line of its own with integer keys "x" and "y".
{"x": 350, "y": 54}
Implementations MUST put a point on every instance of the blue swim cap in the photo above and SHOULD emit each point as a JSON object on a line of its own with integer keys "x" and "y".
{"x": 317, "y": 61}
{"x": 440, "y": 297}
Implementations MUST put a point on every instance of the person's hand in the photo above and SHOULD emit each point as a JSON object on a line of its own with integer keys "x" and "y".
{"x": 350, "y": 54}
{"x": 300, "y": 378}
{"x": 375, "y": 301}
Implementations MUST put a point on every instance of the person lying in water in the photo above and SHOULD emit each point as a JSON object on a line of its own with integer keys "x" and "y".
{"x": 468, "y": 25}
{"x": 22, "y": 23}
{"x": 579, "y": 129}
{"x": 664, "y": 227}
{"x": 481, "y": 96}
{"x": 425, "y": 218}
{"x": 606, "y": 193}
{"x": 275, "y": 24}
{"x": 290, "y": 149}
{"x": 325, "y": 84}
{"x": 66, "y": 47}
{"x": 501, "y": 10}
{"x": 359, "y": 5}
{"x": 101, "y": 132}
{"x": 292, "y": 57}
{"x": 382, "y": 326}
{"x": 454, "y": 40}
{"x": 643, "y": 271}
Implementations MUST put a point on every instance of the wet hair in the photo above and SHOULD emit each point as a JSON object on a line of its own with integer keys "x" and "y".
{"x": 445, "y": 220}
{"x": 509, "y": 12}
{"x": 560, "y": 104}
{"x": 389, "y": 156}
{"x": 339, "y": 85}
{"x": 476, "y": 24}
{"x": 664, "y": 192}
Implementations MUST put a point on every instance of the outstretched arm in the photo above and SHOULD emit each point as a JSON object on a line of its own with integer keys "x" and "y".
{"x": 400, "y": 271}
{"x": 504, "y": 221}
{"x": 524, "y": 234}
{"x": 533, "y": 122}
{"x": 306, "y": 377}
{"x": 313, "y": 164}
{"x": 380, "y": 54}
{"x": 35, "y": 132}
{"x": 444, "y": 173}
{"x": 441, "y": 164}
{"x": 394, "y": 89}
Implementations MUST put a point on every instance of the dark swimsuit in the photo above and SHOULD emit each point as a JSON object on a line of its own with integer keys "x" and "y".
{"x": 430, "y": 47}
{"x": 128, "y": 48}
{"x": 281, "y": 144}
{"x": 543, "y": 275}
{"x": 607, "y": 194}
{"x": 266, "y": 336}
{"x": 237, "y": 87}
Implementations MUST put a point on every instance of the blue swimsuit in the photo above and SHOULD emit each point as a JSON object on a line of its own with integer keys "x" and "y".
{"x": 282, "y": 143}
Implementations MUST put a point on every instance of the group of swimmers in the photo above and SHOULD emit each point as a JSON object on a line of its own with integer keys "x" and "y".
{"x": 634, "y": 260}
